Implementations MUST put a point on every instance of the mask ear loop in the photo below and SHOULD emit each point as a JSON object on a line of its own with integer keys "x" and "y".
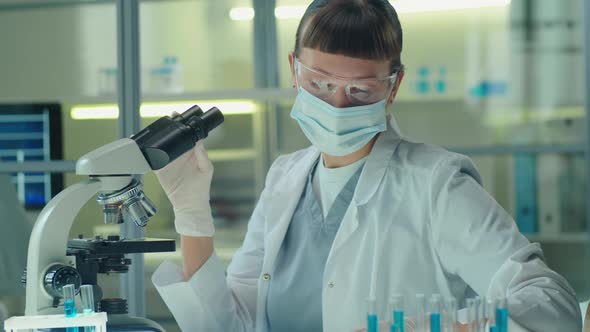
{"x": 296, "y": 68}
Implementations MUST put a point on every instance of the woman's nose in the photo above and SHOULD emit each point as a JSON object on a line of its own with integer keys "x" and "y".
{"x": 339, "y": 98}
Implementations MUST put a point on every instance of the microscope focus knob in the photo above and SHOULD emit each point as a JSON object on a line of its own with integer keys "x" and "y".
{"x": 23, "y": 278}
{"x": 58, "y": 276}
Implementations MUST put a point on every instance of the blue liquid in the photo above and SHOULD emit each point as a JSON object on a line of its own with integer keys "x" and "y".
{"x": 398, "y": 318}
{"x": 70, "y": 311}
{"x": 502, "y": 320}
{"x": 372, "y": 323}
{"x": 435, "y": 323}
{"x": 393, "y": 328}
{"x": 494, "y": 329}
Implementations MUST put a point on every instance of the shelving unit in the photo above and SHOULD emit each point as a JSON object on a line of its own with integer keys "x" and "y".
{"x": 575, "y": 238}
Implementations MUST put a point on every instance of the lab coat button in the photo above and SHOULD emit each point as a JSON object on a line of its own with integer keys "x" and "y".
{"x": 266, "y": 277}
{"x": 331, "y": 284}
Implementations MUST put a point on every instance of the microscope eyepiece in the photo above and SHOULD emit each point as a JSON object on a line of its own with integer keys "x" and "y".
{"x": 212, "y": 118}
{"x": 203, "y": 124}
{"x": 168, "y": 138}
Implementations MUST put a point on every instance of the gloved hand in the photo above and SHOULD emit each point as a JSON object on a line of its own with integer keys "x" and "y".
{"x": 187, "y": 183}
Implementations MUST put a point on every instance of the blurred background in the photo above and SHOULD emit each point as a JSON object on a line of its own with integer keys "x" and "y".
{"x": 502, "y": 81}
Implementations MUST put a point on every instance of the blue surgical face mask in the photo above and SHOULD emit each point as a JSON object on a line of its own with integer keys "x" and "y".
{"x": 338, "y": 131}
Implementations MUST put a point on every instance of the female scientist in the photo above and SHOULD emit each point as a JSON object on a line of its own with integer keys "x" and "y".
{"x": 362, "y": 213}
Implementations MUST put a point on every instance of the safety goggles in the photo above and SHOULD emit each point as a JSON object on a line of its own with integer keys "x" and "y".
{"x": 359, "y": 91}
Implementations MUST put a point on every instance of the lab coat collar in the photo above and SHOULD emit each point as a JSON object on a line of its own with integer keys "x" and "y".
{"x": 283, "y": 203}
{"x": 377, "y": 162}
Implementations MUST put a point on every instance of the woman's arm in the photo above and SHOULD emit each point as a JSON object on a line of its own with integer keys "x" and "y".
{"x": 478, "y": 241}
{"x": 195, "y": 252}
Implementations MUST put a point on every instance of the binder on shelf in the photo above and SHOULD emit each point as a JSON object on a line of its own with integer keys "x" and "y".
{"x": 525, "y": 182}
{"x": 549, "y": 168}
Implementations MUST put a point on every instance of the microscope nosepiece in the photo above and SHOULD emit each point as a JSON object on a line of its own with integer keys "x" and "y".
{"x": 128, "y": 204}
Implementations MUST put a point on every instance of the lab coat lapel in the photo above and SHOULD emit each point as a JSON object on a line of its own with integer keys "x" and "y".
{"x": 283, "y": 203}
{"x": 371, "y": 176}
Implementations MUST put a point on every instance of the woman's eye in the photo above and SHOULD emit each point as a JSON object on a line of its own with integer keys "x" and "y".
{"x": 358, "y": 91}
{"x": 317, "y": 84}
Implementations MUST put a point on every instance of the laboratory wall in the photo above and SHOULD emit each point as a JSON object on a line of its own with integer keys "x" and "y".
{"x": 474, "y": 84}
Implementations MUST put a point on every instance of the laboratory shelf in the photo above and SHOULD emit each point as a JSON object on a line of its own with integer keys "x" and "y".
{"x": 37, "y": 4}
{"x": 231, "y": 154}
{"x": 69, "y": 166}
{"x": 515, "y": 149}
{"x": 54, "y": 166}
{"x": 572, "y": 238}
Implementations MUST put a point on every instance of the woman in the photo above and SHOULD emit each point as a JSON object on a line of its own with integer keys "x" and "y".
{"x": 363, "y": 213}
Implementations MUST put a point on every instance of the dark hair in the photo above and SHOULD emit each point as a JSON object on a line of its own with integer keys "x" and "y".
{"x": 367, "y": 29}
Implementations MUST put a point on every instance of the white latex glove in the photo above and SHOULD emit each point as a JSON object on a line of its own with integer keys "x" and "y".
{"x": 187, "y": 183}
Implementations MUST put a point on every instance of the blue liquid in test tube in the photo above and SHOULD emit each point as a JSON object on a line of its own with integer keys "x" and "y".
{"x": 70, "y": 308}
{"x": 502, "y": 315}
{"x": 396, "y": 307}
{"x": 372, "y": 320}
{"x": 435, "y": 306}
{"x": 399, "y": 320}
{"x": 69, "y": 292}
{"x": 435, "y": 322}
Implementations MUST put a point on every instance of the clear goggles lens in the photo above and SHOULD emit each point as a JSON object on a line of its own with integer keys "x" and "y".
{"x": 359, "y": 91}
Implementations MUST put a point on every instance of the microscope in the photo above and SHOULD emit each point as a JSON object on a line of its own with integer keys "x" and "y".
{"x": 112, "y": 171}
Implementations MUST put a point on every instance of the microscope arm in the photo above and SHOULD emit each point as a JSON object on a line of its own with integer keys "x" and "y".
{"x": 49, "y": 238}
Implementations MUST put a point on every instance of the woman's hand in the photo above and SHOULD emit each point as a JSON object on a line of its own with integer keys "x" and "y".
{"x": 187, "y": 183}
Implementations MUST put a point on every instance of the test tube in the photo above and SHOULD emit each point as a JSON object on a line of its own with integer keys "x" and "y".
{"x": 87, "y": 296}
{"x": 451, "y": 315}
{"x": 69, "y": 293}
{"x": 372, "y": 320}
{"x": 479, "y": 314}
{"x": 420, "y": 313}
{"x": 435, "y": 307}
{"x": 471, "y": 315}
{"x": 502, "y": 315}
{"x": 491, "y": 313}
{"x": 396, "y": 306}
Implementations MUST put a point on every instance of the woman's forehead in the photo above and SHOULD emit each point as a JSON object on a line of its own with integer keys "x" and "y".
{"x": 342, "y": 65}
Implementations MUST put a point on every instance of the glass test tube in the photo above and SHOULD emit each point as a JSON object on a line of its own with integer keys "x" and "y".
{"x": 396, "y": 306}
{"x": 502, "y": 315}
{"x": 471, "y": 315}
{"x": 372, "y": 320}
{"x": 435, "y": 311}
{"x": 69, "y": 293}
{"x": 87, "y": 296}
{"x": 451, "y": 315}
{"x": 420, "y": 313}
{"x": 480, "y": 314}
{"x": 491, "y": 313}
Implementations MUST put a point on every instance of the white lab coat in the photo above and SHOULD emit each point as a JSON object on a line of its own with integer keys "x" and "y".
{"x": 419, "y": 222}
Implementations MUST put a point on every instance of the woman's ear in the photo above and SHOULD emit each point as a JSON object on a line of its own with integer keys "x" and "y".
{"x": 398, "y": 82}
{"x": 292, "y": 64}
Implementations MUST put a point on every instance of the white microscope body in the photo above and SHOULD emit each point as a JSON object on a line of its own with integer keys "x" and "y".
{"x": 111, "y": 170}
